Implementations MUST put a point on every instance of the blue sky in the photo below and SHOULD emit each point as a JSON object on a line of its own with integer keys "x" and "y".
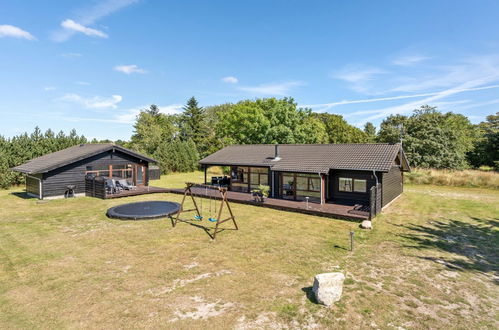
{"x": 91, "y": 65}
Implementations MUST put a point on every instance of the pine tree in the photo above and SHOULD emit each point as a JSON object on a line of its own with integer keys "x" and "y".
{"x": 192, "y": 124}
{"x": 370, "y": 131}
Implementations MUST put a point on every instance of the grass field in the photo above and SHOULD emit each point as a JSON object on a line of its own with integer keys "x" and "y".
{"x": 431, "y": 261}
{"x": 454, "y": 178}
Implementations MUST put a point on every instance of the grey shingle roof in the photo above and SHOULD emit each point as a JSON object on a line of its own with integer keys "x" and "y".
{"x": 70, "y": 155}
{"x": 311, "y": 158}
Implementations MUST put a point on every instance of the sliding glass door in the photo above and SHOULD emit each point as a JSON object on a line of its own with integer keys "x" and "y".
{"x": 141, "y": 173}
{"x": 298, "y": 186}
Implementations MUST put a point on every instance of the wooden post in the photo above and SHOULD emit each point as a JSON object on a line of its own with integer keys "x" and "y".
{"x": 323, "y": 190}
{"x": 205, "y": 170}
{"x": 223, "y": 200}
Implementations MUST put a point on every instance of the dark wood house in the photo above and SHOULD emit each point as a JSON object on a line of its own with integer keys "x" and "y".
{"x": 321, "y": 173}
{"x": 50, "y": 175}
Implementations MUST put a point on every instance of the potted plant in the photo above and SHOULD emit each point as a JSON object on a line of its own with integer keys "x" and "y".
{"x": 261, "y": 193}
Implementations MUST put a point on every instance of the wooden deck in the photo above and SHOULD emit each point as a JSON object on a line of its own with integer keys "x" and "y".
{"x": 138, "y": 191}
{"x": 331, "y": 210}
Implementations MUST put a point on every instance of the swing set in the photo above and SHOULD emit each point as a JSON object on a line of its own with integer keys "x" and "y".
{"x": 213, "y": 215}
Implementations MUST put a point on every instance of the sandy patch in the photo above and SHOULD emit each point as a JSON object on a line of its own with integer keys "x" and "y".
{"x": 198, "y": 308}
{"x": 181, "y": 283}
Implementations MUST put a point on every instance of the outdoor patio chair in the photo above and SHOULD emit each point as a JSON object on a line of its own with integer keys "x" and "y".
{"x": 125, "y": 185}
{"x": 110, "y": 189}
{"x": 117, "y": 187}
{"x": 225, "y": 181}
{"x": 214, "y": 180}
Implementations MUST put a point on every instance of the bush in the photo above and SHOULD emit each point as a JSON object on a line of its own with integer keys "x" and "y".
{"x": 455, "y": 178}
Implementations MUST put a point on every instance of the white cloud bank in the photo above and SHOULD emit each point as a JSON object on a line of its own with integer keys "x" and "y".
{"x": 69, "y": 24}
{"x": 409, "y": 60}
{"x": 15, "y": 32}
{"x": 88, "y": 16}
{"x": 96, "y": 102}
{"x": 129, "y": 116}
{"x": 129, "y": 69}
{"x": 279, "y": 89}
{"x": 359, "y": 77}
{"x": 230, "y": 80}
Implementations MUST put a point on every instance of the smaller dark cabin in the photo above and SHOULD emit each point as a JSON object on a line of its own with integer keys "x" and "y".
{"x": 320, "y": 173}
{"x": 50, "y": 175}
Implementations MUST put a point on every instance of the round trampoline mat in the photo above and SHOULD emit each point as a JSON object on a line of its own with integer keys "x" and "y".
{"x": 143, "y": 210}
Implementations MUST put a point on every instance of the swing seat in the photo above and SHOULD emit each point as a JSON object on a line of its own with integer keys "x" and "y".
{"x": 198, "y": 217}
{"x": 212, "y": 220}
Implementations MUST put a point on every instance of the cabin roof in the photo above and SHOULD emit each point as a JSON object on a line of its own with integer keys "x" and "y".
{"x": 71, "y": 155}
{"x": 312, "y": 158}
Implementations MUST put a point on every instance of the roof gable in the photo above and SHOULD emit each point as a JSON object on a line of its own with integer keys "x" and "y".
{"x": 71, "y": 155}
{"x": 311, "y": 158}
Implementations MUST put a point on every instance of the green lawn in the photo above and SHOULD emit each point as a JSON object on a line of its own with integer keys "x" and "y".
{"x": 431, "y": 261}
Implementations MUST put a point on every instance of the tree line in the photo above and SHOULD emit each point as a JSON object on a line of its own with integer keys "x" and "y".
{"x": 19, "y": 149}
{"x": 431, "y": 139}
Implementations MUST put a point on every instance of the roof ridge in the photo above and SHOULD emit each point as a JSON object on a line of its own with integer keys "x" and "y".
{"x": 310, "y": 144}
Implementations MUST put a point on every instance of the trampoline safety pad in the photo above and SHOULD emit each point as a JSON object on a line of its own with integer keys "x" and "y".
{"x": 143, "y": 210}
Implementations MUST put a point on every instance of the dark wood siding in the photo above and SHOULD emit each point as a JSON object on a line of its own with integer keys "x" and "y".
{"x": 56, "y": 181}
{"x": 392, "y": 184}
{"x": 32, "y": 184}
{"x": 350, "y": 197}
{"x": 154, "y": 173}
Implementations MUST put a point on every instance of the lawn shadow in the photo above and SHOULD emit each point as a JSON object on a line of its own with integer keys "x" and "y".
{"x": 209, "y": 230}
{"x": 23, "y": 195}
{"x": 476, "y": 245}
{"x": 310, "y": 294}
{"x": 341, "y": 247}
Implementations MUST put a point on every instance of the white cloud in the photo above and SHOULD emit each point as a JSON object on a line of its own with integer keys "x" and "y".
{"x": 409, "y": 107}
{"x": 359, "y": 77}
{"x": 129, "y": 69}
{"x": 69, "y": 24}
{"x": 15, "y": 32}
{"x": 71, "y": 55}
{"x": 281, "y": 89}
{"x": 49, "y": 88}
{"x": 89, "y": 16}
{"x": 83, "y": 83}
{"x": 128, "y": 116}
{"x": 230, "y": 80}
{"x": 327, "y": 106}
{"x": 96, "y": 102}
{"x": 409, "y": 60}
{"x": 445, "y": 76}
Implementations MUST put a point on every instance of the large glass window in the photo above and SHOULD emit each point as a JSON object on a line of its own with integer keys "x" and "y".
{"x": 258, "y": 176}
{"x": 360, "y": 185}
{"x": 245, "y": 179}
{"x": 288, "y": 186}
{"x": 345, "y": 184}
{"x": 352, "y": 185}
{"x": 239, "y": 180}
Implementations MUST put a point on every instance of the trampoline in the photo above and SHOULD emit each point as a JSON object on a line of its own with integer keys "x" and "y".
{"x": 143, "y": 210}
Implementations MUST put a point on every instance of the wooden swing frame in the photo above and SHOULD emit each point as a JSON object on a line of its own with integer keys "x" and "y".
{"x": 219, "y": 221}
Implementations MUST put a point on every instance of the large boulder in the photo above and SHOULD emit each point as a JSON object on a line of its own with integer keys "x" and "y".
{"x": 366, "y": 224}
{"x": 328, "y": 287}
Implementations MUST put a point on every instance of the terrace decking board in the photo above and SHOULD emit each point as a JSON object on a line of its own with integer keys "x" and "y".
{"x": 330, "y": 210}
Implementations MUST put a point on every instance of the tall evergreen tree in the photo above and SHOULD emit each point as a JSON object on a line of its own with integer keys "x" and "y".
{"x": 370, "y": 131}
{"x": 193, "y": 124}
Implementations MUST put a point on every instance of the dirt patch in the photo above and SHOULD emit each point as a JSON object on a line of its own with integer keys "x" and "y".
{"x": 181, "y": 283}
{"x": 197, "y": 308}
